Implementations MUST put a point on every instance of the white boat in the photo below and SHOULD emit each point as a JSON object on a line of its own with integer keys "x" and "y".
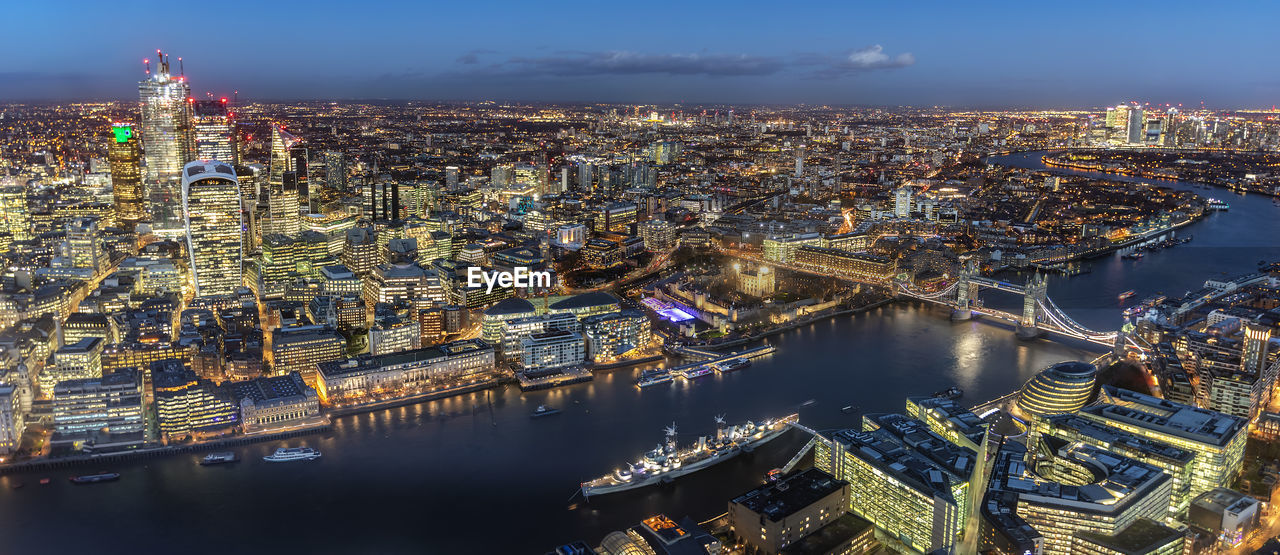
{"x": 697, "y": 372}
{"x": 656, "y": 379}
{"x": 288, "y": 454}
{"x": 223, "y": 457}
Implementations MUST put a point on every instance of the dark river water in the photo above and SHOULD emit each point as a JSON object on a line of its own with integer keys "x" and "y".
{"x": 475, "y": 474}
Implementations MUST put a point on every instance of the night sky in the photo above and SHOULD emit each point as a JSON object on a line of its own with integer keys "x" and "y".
{"x": 1025, "y": 54}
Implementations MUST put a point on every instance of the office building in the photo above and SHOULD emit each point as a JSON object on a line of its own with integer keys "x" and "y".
{"x": 587, "y": 304}
{"x": 1144, "y": 536}
{"x": 1253, "y": 359}
{"x": 949, "y": 419}
{"x": 1216, "y": 439}
{"x": 166, "y": 144}
{"x": 335, "y": 171}
{"x": 617, "y": 217}
{"x": 360, "y": 251}
{"x": 402, "y": 283}
{"x": 610, "y": 336}
{"x": 300, "y": 348}
{"x": 863, "y": 267}
{"x": 1062, "y": 388}
{"x": 915, "y": 491}
{"x": 214, "y": 131}
{"x": 494, "y": 318}
{"x": 771, "y": 517}
{"x": 138, "y": 354}
{"x": 282, "y": 185}
{"x": 102, "y": 412}
{"x": 392, "y": 334}
{"x": 84, "y": 246}
{"x": 552, "y": 349}
{"x": 510, "y": 344}
{"x": 452, "y": 364}
{"x": 124, "y": 155}
{"x": 79, "y": 360}
{"x": 12, "y": 419}
{"x": 1177, "y": 463}
{"x": 16, "y": 211}
{"x": 782, "y": 248}
{"x": 276, "y": 403}
{"x": 188, "y": 406}
{"x": 344, "y": 312}
{"x": 658, "y": 235}
{"x": 1070, "y": 488}
{"x": 902, "y": 201}
{"x": 1224, "y": 514}
{"x": 382, "y": 198}
{"x": 211, "y": 208}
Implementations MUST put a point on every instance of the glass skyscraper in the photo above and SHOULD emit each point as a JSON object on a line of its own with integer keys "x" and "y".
{"x": 211, "y": 206}
{"x": 166, "y": 144}
{"x": 214, "y": 133}
{"x": 282, "y": 183}
{"x": 124, "y": 154}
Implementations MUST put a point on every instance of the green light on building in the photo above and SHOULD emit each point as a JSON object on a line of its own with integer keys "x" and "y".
{"x": 122, "y": 132}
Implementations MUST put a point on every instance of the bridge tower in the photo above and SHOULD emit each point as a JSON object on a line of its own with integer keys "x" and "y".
{"x": 1033, "y": 296}
{"x": 1121, "y": 347}
{"x": 966, "y": 291}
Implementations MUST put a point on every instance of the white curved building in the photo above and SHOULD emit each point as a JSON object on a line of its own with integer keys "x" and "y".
{"x": 211, "y": 217}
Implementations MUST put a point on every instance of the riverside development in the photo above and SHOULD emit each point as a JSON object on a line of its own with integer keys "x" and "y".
{"x": 499, "y": 305}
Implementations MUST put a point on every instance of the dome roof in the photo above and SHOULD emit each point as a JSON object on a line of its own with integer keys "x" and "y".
{"x": 512, "y": 305}
{"x": 1062, "y": 388}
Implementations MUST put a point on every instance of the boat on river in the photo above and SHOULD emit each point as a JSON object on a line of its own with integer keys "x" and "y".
{"x": 668, "y": 461}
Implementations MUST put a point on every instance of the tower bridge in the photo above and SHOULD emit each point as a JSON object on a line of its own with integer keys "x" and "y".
{"x": 1039, "y": 313}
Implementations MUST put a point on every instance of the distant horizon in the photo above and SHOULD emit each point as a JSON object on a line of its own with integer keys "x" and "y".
{"x": 354, "y": 100}
{"x": 750, "y": 53}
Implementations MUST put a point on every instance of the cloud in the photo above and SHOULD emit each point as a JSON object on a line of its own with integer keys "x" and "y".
{"x": 573, "y": 64}
{"x": 619, "y": 62}
{"x": 870, "y": 58}
{"x": 873, "y": 57}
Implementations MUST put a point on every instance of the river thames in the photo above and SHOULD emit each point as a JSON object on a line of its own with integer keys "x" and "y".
{"x": 476, "y": 474}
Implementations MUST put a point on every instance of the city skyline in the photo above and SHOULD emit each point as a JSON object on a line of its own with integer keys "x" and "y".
{"x": 1011, "y": 56}
{"x": 861, "y": 308}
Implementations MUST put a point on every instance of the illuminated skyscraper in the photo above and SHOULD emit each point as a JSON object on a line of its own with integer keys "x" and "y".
{"x": 166, "y": 143}
{"x": 15, "y": 214}
{"x": 84, "y": 244}
{"x": 211, "y": 205}
{"x": 125, "y": 156}
{"x": 335, "y": 171}
{"x": 1257, "y": 338}
{"x": 902, "y": 202}
{"x": 214, "y": 131}
{"x": 282, "y": 194}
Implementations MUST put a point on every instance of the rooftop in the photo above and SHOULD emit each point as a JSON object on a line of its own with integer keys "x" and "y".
{"x": 826, "y": 539}
{"x": 1185, "y": 421}
{"x": 586, "y": 300}
{"x": 367, "y": 362}
{"x": 270, "y": 388}
{"x": 792, "y": 493}
{"x": 1143, "y": 536}
{"x": 1114, "y": 437}
{"x": 508, "y": 306}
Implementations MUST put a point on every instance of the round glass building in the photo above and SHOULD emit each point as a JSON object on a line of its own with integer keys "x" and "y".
{"x": 1062, "y": 388}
